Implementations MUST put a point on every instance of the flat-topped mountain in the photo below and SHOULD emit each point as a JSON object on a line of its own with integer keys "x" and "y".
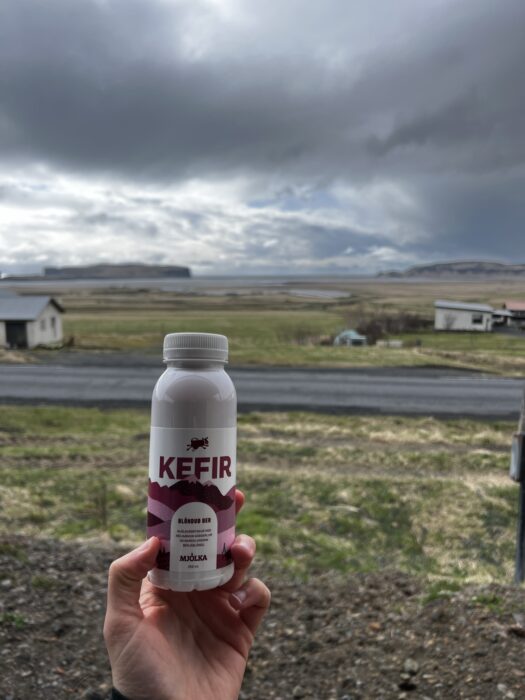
{"x": 468, "y": 268}
{"x": 119, "y": 271}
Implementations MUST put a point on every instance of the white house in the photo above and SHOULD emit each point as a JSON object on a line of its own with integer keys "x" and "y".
{"x": 459, "y": 316}
{"x": 28, "y": 321}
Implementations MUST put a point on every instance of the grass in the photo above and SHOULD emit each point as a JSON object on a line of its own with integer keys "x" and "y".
{"x": 491, "y": 601}
{"x": 9, "y": 619}
{"x": 291, "y": 338}
{"x": 250, "y": 334}
{"x": 345, "y": 493}
{"x": 488, "y": 352}
{"x": 439, "y": 589}
{"x": 275, "y": 329}
{"x": 44, "y": 583}
{"x": 256, "y": 337}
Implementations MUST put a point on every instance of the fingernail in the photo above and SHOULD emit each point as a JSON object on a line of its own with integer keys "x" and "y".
{"x": 144, "y": 545}
{"x": 238, "y": 598}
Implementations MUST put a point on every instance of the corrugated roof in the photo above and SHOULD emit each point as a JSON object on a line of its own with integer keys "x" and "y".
{"x": 28, "y": 308}
{"x": 462, "y": 306}
{"x": 515, "y": 305}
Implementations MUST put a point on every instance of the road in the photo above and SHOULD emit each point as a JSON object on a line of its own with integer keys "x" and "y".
{"x": 403, "y": 392}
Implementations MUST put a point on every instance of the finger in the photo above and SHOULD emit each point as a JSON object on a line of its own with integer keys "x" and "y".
{"x": 252, "y": 601}
{"x": 243, "y": 552}
{"x": 126, "y": 575}
{"x": 239, "y": 500}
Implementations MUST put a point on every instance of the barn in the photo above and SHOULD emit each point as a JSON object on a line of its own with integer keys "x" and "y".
{"x": 461, "y": 316}
{"x": 28, "y": 321}
{"x": 516, "y": 309}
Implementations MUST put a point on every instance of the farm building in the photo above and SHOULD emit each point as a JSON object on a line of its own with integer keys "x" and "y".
{"x": 28, "y": 321}
{"x": 516, "y": 309}
{"x": 350, "y": 337}
{"x": 460, "y": 316}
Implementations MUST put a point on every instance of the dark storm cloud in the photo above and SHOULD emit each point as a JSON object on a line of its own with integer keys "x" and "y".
{"x": 318, "y": 241}
{"x": 480, "y": 218}
{"x": 458, "y": 122}
{"x": 82, "y": 87}
{"x": 108, "y": 85}
{"x": 429, "y": 100}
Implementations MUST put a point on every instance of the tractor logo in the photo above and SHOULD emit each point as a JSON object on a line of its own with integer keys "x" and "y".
{"x": 195, "y": 443}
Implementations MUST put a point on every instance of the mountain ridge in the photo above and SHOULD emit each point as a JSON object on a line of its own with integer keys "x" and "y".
{"x": 456, "y": 268}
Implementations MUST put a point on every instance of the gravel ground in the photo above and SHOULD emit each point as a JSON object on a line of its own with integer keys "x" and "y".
{"x": 364, "y": 637}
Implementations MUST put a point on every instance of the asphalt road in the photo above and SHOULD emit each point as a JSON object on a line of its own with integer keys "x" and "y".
{"x": 404, "y": 392}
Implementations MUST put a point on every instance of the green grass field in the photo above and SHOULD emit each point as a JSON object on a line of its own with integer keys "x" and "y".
{"x": 254, "y": 333}
{"x": 426, "y": 496}
{"x": 288, "y": 338}
{"x": 282, "y": 330}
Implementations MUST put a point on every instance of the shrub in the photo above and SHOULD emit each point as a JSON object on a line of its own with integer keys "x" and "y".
{"x": 383, "y": 325}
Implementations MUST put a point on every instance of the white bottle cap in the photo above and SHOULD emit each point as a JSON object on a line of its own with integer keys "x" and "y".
{"x": 196, "y": 346}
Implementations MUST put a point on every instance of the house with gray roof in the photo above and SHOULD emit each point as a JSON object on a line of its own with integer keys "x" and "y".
{"x": 462, "y": 316}
{"x": 28, "y": 321}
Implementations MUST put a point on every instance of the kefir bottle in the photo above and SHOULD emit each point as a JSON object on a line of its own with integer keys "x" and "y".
{"x": 192, "y": 460}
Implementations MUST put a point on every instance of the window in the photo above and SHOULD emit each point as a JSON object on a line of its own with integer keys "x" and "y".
{"x": 54, "y": 325}
{"x": 43, "y": 324}
{"x": 477, "y": 319}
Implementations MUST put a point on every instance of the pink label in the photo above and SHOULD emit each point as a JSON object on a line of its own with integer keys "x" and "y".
{"x": 191, "y": 497}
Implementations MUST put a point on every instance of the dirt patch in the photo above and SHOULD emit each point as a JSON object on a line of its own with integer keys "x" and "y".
{"x": 358, "y": 637}
{"x": 14, "y": 357}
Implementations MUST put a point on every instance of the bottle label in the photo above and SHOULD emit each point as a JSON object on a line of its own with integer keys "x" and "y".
{"x": 191, "y": 496}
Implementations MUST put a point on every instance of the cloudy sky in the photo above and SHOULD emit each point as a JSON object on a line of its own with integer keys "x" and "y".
{"x": 240, "y": 136}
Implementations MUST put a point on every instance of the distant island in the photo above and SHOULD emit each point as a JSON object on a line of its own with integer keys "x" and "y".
{"x": 469, "y": 268}
{"x": 108, "y": 271}
{"x": 122, "y": 270}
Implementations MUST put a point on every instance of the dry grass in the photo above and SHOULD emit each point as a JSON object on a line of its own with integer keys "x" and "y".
{"x": 13, "y": 356}
{"x": 266, "y": 327}
{"x": 323, "y": 492}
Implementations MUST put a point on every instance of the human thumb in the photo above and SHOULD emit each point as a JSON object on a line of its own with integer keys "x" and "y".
{"x": 126, "y": 575}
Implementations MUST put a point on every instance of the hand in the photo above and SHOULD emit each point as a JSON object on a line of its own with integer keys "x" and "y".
{"x": 165, "y": 645}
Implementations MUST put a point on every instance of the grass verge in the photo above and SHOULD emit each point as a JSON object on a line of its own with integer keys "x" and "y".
{"x": 352, "y": 493}
{"x": 267, "y": 326}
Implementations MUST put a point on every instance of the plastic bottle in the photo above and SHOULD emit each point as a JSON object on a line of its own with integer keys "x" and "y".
{"x": 191, "y": 495}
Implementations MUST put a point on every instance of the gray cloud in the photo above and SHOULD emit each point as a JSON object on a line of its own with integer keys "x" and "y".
{"x": 415, "y": 113}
